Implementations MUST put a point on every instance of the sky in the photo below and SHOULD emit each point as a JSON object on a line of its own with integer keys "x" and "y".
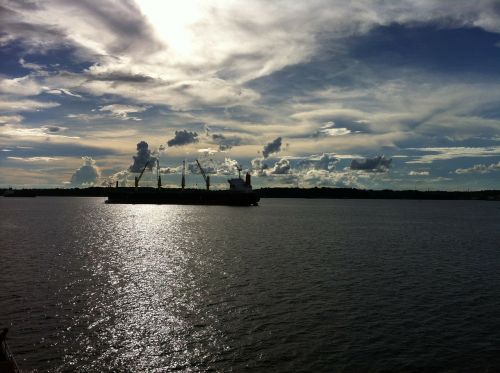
{"x": 366, "y": 94}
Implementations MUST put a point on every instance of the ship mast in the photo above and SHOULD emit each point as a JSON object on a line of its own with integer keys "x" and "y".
{"x": 158, "y": 173}
{"x": 183, "y": 180}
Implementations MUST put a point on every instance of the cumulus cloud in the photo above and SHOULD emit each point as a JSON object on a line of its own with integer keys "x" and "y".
{"x": 281, "y": 167}
{"x": 227, "y": 167}
{"x": 183, "y": 137}
{"x": 341, "y": 179}
{"x": 324, "y": 161}
{"x": 259, "y": 167}
{"x": 377, "y": 164}
{"x": 142, "y": 158}
{"x": 193, "y": 168}
{"x": 86, "y": 175}
{"x": 479, "y": 169}
{"x": 272, "y": 147}
{"x": 120, "y": 176}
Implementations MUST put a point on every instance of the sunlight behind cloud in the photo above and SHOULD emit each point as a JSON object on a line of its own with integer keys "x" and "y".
{"x": 171, "y": 21}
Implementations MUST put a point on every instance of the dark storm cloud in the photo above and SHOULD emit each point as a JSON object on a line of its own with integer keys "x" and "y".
{"x": 142, "y": 158}
{"x": 183, "y": 137}
{"x": 86, "y": 175}
{"x": 226, "y": 143}
{"x": 377, "y": 164}
{"x": 272, "y": 147}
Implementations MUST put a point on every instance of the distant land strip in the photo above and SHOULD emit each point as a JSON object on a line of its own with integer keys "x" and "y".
{"x": 312, "y": 193}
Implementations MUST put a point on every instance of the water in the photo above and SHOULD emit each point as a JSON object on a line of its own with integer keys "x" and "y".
{"x": 291, "y": 285}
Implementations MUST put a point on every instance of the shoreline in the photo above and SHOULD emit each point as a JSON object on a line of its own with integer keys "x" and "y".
{"x": 308, "y": 193}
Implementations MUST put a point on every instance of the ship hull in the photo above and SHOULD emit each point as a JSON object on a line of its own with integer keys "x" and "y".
{"x": 182, "y": 197}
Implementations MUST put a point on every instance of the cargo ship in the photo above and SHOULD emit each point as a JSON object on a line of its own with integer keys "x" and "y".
{"x": 240, "y": 192}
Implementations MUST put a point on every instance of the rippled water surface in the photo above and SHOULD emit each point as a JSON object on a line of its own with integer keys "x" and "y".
{"x": 291, "y": 285}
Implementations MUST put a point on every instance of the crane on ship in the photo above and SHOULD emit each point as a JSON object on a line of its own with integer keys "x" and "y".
{"x": 205, "y": 176}
{"x": 137, "y": 179}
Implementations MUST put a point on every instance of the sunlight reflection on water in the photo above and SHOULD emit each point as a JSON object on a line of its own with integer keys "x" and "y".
{"x": 146, "y": 295}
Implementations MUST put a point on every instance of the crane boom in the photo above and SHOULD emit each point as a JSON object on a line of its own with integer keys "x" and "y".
{"x": 137, "y": 179}
{"x": 205, "y": 176}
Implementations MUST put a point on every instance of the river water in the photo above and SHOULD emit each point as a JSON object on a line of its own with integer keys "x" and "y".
{"x": 291, "y": 285}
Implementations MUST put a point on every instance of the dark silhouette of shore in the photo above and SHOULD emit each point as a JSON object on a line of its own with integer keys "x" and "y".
{"x": 313, "y": 193}
{"x": 352, "y": 193}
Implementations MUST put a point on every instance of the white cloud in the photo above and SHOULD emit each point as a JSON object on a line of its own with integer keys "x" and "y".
{"x": 34, "y": 159}
{"x": 446, "y": 153}
{"x": 9, "y": 105}
{"x": 86, "y": 117}
{"x": 479, "y": 169}
{"x": 18, "y": 131}
{"x": 196, "y": 53}
{"x": 122, "y": 111}
{"x": 59, "y": 91}
{"x": 31, "y": 65}
{"x": 418, "y": 173}
{"x": 200, "y": 59}
{"x": 4, "y": 119}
